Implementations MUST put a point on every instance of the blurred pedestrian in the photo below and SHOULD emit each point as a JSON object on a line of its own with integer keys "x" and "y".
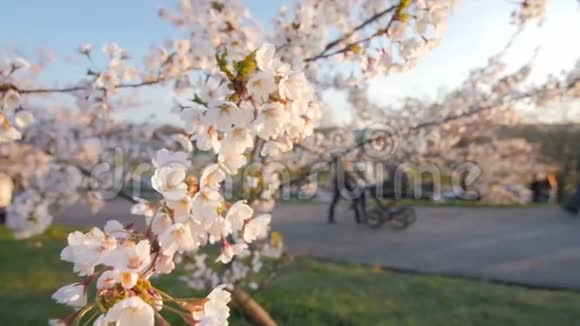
{"x": 573, "y": 203}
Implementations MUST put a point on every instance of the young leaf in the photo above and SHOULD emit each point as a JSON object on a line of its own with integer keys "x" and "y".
{"x": 246, "y": 67}
{"x": 222, "y": 62}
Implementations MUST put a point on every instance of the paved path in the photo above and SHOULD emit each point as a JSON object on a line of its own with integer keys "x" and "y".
{"x": 535, "y": 246}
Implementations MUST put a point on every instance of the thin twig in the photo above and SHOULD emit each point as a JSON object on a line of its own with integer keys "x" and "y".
{"x": 80, "y": 88}
{"x": 358, "y": 28}
{"x": 349, "y": 46}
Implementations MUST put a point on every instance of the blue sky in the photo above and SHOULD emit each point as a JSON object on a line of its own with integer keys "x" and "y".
{"x": 477, "y": 29}
{"x": 62, "y": 25}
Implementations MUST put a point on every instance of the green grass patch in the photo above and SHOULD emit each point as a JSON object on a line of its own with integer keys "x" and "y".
{"x": 307, "y": 292}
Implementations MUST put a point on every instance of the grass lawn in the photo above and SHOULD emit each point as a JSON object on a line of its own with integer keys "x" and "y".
{"x": 307, "y": 292}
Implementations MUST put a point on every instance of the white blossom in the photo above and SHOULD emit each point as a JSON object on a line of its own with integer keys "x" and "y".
{"x": 223, "y": 115}
{"x": 397, "y": 30}
{"x": 160, "y": 222}
{"x": 28, "y": 215}
{"x": 108, "y": 279}
{"x": 261, "y": 85}
{"x": 237, "y": 140}
{"x": 216, "y": 310}
{"x": 238, "y": 214}
{"x": 73, "y": 295}
{"x": 265, "y": 57}
{"x": 212, "y": 176}
{"x": 108, "y": 80}
{"x": 9, "y": 133}
{"x": 227, "y": 254}
{"x": 180, "y": 207}
{"x": 205, "y": 205}
{"x": 232, "y": 161}
{"x": 131, "y": 311}
{"x": 11, "y": 99}
{"x": 182, "y": 46}
{"x": 116, "y": 229}
{"x": 86, "y": 251}
{"x": 293, "y": 86}
{"x": 169, "y": 180}
{"x": 272, "y": 117}
{"x": 177, "y": 238}
{"x": 130, "y": 256}
{"x": 257, "y": 228}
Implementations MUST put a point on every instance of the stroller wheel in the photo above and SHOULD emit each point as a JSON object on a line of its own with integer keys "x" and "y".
{"x": 402, "y": 217}
{"x": 375, "y": 218}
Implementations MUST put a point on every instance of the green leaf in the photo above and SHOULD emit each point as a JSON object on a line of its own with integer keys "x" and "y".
{"x": 222, "y": 62}
{"x": 246, "y": 67}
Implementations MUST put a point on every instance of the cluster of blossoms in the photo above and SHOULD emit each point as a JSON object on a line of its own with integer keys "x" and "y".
{"x": 67, "y": 163}
{"x": 399, "y": 33}
{"x": 117, "y": 70}
{"x": 566, "y": 88}
{"x": 262, "y": 183}
{"x": 195, "y": 213}
{"x": 267, "y": 100}
{"x": 481, "y": 135}
{"x": 28, "y": 214}
{"x": 121, "y": 262}
{"x": 198, "y": 274}
{"x": 270, "y": 101}
{"x": 529, "y": 10}
{"x": 13, "y": 118}
{"x": 210, "y": 25}
{"x": 42, "y": 182}
{"x": 259, "y": 189}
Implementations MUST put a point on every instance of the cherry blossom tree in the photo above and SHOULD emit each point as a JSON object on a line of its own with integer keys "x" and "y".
{"x": 462, "y": 126}
{"x": 245, "y": 97}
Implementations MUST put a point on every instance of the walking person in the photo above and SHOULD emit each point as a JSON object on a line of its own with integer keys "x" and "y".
{"x": 573, "y": 203}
